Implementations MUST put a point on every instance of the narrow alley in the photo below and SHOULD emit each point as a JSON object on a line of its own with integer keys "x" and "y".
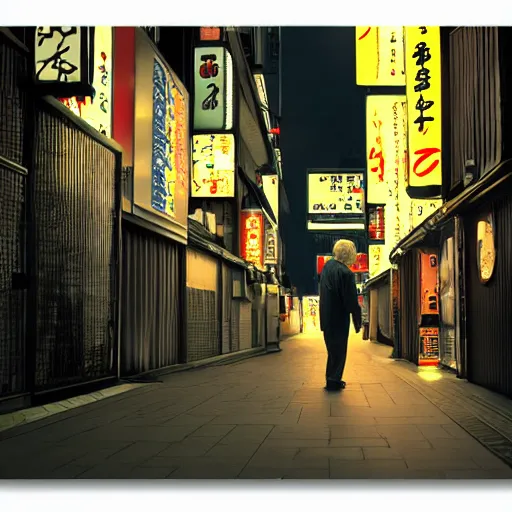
{"x": 267, "y": 417}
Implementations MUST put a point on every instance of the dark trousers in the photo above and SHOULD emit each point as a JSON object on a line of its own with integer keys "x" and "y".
{"x": 337, "y": 344}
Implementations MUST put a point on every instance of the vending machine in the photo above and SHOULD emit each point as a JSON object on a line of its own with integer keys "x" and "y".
{"x": 429, "y": 309}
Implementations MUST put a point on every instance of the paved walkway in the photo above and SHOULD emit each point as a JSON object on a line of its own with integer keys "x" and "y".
{"x": 266, "y": 417}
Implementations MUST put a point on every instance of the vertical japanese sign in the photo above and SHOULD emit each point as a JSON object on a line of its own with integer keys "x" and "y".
{"x": 380, "y": 56}
{"x": 423, "y": 86}
{"x": 404, "y": 200}
{"x": 271, "y": 191}
{"x": 270, "y": 247}
{"x": 252, "y": 233}
{"x": 383, "y": 143}
{"x": 97, "y": 109}
{"x": 375, "y": 265}
{"x": 310, "y": 314}
{"x": 213, "y": 87}
{"x": 170, "y": 147}
{"x": 58, "y": 54}
{"x": 387, "y": 165}
{"x": 213, "y": 172}
{"x": 161, "y": 138}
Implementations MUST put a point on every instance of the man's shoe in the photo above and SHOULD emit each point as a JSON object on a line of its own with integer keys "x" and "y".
{"x": 333, "y": 386}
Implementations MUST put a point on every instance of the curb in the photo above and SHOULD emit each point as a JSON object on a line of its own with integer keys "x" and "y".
{"x": 28, "y": 417}
{"x": 481, "y": 421}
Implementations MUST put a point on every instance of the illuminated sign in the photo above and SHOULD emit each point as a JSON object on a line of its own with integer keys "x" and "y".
{"x": 321, "y": 260}
{"x": 213, "y": 173}
{"x": 429, "y": 346}
{"x": 271, "y": 191}
{"x": 376, "y": 223}
{"x": 380, "y": 56}
{"x": 161, "y": 138}
{"x": 62, "y": 60}
{"x": 170, "y": 146}
{"x": 385, "y": 146}
{"x": 361, "y": 263}
{"x": 421, "y": 209}
{"x": 58, "y": 54}
{"x": 423, "y": 77}
{"x": 310, "y": 314}
{"x": 404, "y": 201}
{"x": 213, "y": 87}
{"x": 336, "y": 193}
{"x": 97, "y": 110}
{"x": 252, "y": 233}
{"x": 209, "y": 33}
{"x": 376, "y": 264}
{"x": 271, "y": 247}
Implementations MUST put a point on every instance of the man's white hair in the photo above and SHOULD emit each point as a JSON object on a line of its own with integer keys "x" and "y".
{"x": 345, "y": 252}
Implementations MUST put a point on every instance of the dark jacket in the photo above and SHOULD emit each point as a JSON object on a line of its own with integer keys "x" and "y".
{"x": 338, "y": 297}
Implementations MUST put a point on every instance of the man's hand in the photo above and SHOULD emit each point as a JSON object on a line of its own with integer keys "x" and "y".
{"x": 357, "y": 327}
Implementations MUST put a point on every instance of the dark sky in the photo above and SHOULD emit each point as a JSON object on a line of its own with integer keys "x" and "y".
{"x": 322, "y": 125}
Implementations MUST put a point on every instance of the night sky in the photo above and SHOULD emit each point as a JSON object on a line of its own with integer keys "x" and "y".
{"x": 322, "y": 126}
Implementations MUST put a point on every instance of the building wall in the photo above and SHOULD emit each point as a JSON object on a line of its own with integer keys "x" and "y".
{"x": 409, "y": 300}
{"x": 488, "y": 318}
{"x": 151, "y": 296}
{"x": 245, "y": 325}
{"x": 203, "y": 335}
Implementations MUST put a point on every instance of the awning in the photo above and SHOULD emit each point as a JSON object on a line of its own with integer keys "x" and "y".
{"x": 199, "y": 237}
{"x": 381, "y": 279}
{"x": 259, "y": 196}
{"x": 473, "y": 194}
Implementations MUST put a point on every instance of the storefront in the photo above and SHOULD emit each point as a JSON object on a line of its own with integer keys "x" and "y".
{"x": 377, "y": 306}
{"x": 156, "y": 164}
{"x": 488, "y": 289}
{"x": 448, "y": 280}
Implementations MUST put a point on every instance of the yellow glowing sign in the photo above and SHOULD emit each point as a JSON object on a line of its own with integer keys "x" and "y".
{"x": 423, "y": 208}
{"x": 310, "y": 314}
{"x": 376, "y": 262}
{"x": 336, "y": 193}
{"x": 97, "y": 111}
{"x": 213, "y": 173}
{"x": 385, "y": 150}
{"x": 380, "y": 56}
{"x": 423, "y": 86}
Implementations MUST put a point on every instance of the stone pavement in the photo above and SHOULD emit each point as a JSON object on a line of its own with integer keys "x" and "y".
{"x": 266, "y": 417}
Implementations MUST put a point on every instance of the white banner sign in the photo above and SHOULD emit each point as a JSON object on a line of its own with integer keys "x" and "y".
{"x": 213, "y": 87}
{"x": 333, "y": 193}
